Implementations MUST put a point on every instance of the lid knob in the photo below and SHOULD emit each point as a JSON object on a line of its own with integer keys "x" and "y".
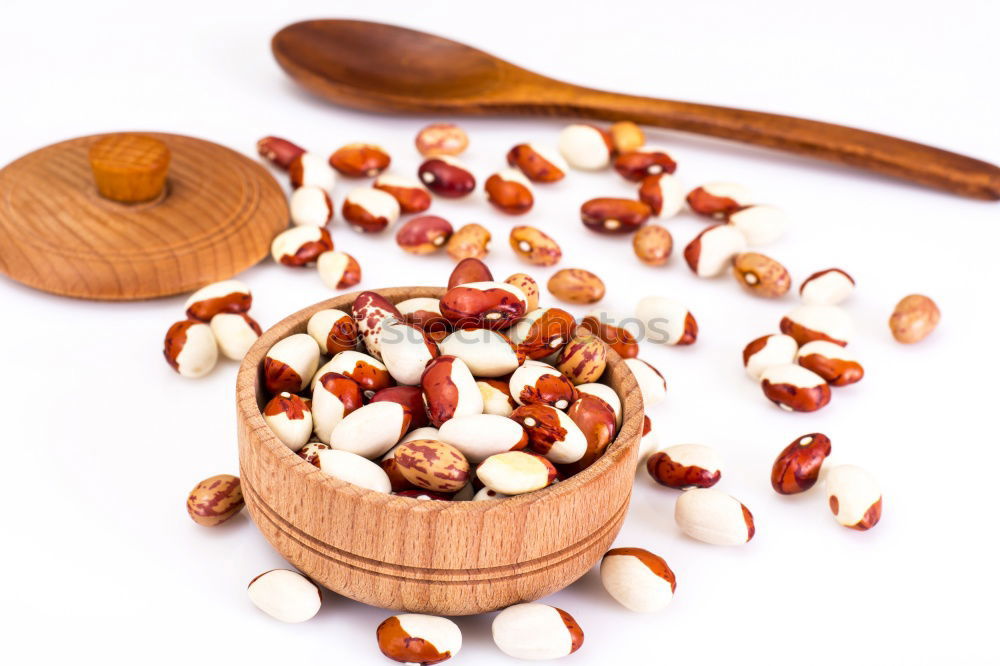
{"x": 129, "y": 168}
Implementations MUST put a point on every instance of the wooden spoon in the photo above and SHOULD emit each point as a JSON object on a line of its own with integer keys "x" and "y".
{"x": 378, "y": 67}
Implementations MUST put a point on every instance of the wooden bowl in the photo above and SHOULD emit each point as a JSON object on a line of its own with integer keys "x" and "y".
{"x": 445, "y": 558}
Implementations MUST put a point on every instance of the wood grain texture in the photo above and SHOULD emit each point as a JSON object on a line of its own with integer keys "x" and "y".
{"x": 449, "y": 558}
{"x": 218, "y": 216}
{"x": 378, "y": 67}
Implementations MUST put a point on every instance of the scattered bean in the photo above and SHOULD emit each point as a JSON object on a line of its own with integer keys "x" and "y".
{"x": 637, "y": 164}
{"x": 190, "y": 348}
{"x": 914, "y": 318}
{"x": 685, "y": 466}
{"x": 537, "y": 163}
{"x": 235, "y": 333}
{"x": 310, "y": 206}
{"x": 300, "y": 246}
{"x": 637, "y": 579}
{"x": 626, "y": 136}
{"x": 797, "y": 467}
{"x": 471, "y": 240}
{"x": 714, "y": 517}
{"x": 285, "y": 595}
{"x": 818, "y": 322}
{"x": 653, "y": 245}
{"x": 794, "y": 388}
{"x": 418, "y": 639}
{"x": 652, "y": 385}
{"x": 311, "y": 169}
{"x": 509, "y": 191}
{"x": 831, "y": 362}
{"x": 536, "y": 631}
{"x": 767, "y": 351}
{"x": 370, "y": 210}
{"x": 760, "y": 225}
{"x": 446, "y": 177}
{"x": 761, "y": 275}
{"x": 442, "y": 139}
{"x": 227, "y": 296}
{"x": 424, "y": 235}
{"x": 663, "y": 194}
{"x": 338, "y": 270}
{"x": 411, "y": 196}
{"x": 608, "y": 215}
{"x": 534, "y": 246}
{"x": 718, "y": 200}
{"x": 279, "y": 152}
{"x": 360, "y": 160}
{"x": 585, "y": 147}
{"x": 713, "y": 249}
{"x": 666, "y": 321}
{"x": 854, "y": 497}
{"x": 469, "y": 270}
{"x": 829, "y": 287}
{"x": 576, "y": 285}
{"x": 648, "y": 443}
{"x": 215, "y": 500}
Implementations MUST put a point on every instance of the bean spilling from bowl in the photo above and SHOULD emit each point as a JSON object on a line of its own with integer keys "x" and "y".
{"x": 483, "y": 395}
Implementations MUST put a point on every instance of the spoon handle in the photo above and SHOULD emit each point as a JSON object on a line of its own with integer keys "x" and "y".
{"x": 888, "y": 155}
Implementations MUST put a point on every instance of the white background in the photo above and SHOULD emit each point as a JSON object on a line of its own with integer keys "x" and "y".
{"x": 102, "y": 440}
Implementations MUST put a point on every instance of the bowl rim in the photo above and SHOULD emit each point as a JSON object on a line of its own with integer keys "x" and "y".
{"x": 249, "y": 413}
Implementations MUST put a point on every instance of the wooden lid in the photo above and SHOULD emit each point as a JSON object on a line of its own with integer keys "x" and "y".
{"x": 215, "y": 216}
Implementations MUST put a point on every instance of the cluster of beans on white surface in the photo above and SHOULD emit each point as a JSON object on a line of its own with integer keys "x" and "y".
{"x": 797, "y": 367}
{"x": 217, "y": 321}
{"x": 374, "y": 208}
{"x": 360, "y": 393}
